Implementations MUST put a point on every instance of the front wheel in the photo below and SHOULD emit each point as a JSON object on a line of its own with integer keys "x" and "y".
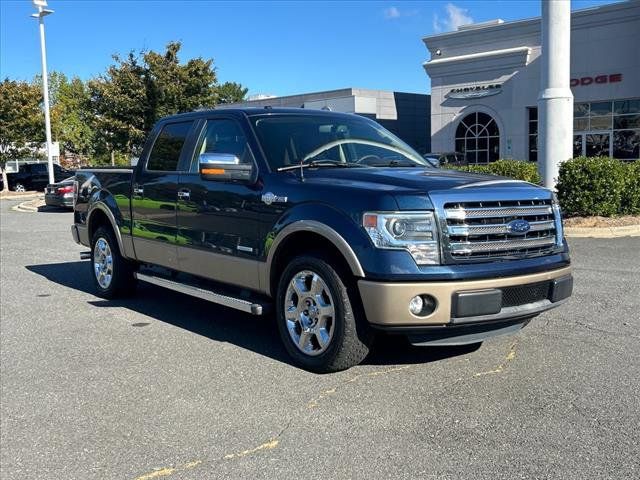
{"x": 317, "y": 321}
{"x": 19, "y": 187}
{"x": 113, "y": 275}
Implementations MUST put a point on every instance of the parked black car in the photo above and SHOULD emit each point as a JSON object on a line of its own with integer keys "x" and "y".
{"x": 60, "y": 194}
{"x": 449, "y": 158}
{"x": 35, "y": 176}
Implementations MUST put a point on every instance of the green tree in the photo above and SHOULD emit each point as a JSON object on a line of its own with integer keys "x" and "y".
{"x": 138, "y": 90}
{"x": 71, "y": 119}
{"x": 231, "y": 92}
{"x": 21, "y": 122}
{"x": 119, "y": 105}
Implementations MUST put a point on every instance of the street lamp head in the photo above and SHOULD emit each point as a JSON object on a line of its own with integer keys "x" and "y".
{"x": 39, "y": 3}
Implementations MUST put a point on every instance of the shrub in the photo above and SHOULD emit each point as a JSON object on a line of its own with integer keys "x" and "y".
{"x": 586, "y": 186}
{"x": 594, "y": 186}
{"x": 516, "y": 169}
{"x": 631, "y": 193}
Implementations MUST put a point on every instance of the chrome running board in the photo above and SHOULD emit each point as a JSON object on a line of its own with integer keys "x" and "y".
{"x": 225, "y": 300}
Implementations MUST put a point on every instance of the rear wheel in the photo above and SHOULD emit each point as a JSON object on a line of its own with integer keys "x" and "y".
{"x": 113, "y": 275}
{"x": 317, "y": 321}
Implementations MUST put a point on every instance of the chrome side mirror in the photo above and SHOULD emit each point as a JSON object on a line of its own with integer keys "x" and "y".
{"x": 225, "y": 167}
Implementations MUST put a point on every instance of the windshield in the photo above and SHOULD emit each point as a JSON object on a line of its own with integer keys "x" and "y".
{"x": 288, "y": 140}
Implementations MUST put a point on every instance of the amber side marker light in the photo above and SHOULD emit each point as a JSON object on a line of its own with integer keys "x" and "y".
{"x": 212, "y": 171}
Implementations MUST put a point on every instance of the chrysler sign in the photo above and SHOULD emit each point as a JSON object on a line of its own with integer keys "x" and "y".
{"x": 476, "y": 91}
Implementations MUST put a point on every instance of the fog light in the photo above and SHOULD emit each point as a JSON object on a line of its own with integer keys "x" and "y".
{"x": 416, "y": 304}
{"x": 422, "y": 305}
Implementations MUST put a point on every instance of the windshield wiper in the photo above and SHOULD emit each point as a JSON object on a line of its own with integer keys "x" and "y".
{"x": 396, "y": 163}
{"x": 319, "y": 164}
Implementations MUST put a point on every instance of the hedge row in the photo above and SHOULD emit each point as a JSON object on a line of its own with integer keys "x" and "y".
{"x": 517, "y": 169}
{"x": 599, "y": 186}
{"x": 586, "y": 186}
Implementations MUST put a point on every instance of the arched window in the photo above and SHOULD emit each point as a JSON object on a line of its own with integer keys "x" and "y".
{"x": 478, "y": 137}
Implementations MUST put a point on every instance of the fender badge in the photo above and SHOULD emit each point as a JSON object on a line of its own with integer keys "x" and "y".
{"x": 270, "y": 198}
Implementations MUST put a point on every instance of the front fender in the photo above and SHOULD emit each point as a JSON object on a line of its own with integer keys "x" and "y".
{"x": 339, "y": 229}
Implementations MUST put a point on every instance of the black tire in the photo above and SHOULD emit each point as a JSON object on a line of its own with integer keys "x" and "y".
{"x": 122, "y": 282}
{"x": 351, "y": 336}
{"x": 19, "y": 187}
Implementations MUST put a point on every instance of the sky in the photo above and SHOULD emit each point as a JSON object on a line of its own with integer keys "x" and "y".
{"x": 276, "y": 48}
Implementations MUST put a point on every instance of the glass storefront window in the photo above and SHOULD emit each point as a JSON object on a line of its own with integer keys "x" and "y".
{"x": 600, "y": 123}
{"x": 610, "y": 128}
{"x": 533, "y": 148}
{"x": 580, "y": 110}
{"x": 600, "y": 108}
{"x": 626, "y": 106}
{"x": 533, "y": 134}
{"x": 580, "y": 124}
{"x": 626, "y": 121}
{"x": 626, "y": 144}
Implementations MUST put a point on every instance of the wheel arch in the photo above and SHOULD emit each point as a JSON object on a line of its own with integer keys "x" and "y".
{"x": 100, "y": 215}
{"x": 304, "y": 236}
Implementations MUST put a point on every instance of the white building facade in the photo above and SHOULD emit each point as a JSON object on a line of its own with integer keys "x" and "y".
{"x": 485, "y": 81}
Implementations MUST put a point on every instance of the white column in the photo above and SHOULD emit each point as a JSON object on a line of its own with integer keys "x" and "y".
{"x": 45, "y": 94}
{"x": 555, "y": 101}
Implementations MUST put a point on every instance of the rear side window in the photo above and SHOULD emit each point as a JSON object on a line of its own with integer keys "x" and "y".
{"x": 167, "y": 148}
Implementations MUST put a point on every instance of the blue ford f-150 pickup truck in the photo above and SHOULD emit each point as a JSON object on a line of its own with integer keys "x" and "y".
{"x": 330, "y": 221}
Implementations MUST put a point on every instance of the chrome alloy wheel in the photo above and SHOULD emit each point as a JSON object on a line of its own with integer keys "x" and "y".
{"x": 309, "y": 312}
{"x": 103, "y": 263}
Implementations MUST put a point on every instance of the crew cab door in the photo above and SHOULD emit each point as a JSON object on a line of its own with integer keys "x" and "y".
{"x": 155, "y": 192}
{"x": 219, "y": 217}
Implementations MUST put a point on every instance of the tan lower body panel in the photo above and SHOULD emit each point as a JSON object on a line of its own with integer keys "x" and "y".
{"x": 387, "y": 303}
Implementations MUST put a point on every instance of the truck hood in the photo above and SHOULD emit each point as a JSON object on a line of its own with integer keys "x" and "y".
{"x": 407, "y": 180}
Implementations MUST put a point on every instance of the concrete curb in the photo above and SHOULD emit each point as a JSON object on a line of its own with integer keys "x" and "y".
{"x": 29, "y": 206}
{"x": 24, "y": 197}
{"x": 602, "y": 232}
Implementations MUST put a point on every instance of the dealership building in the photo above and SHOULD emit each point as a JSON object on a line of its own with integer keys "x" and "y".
{"x": 405, "y": 114}
{"x": 485, "y": 81}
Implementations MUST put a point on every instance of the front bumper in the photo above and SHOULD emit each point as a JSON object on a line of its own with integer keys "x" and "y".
{"x": 500, "y": 300}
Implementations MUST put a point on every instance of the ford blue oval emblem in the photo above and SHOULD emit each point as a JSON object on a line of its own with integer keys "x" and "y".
{"x": 518, "y": 227}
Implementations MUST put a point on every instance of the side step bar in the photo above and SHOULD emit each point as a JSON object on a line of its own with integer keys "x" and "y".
{"x": 225, "y": 300}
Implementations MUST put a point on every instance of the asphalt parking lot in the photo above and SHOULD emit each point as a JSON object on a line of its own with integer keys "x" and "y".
{"x": 166, "y": 386}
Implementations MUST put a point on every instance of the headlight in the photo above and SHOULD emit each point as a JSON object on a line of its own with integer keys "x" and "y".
{"x": 415, "y": 232}
{"x": 557, "y": 215}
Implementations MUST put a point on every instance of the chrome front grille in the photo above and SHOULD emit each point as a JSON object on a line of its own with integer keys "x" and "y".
{"x": 482, "y": 230}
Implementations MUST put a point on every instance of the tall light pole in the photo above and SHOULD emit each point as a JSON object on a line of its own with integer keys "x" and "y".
{"x": 555, "y": 101}
{"x": 43, "y": 12}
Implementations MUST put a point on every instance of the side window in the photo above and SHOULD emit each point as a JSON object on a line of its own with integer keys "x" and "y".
{"x": 167, "y": 148}
{"x": 225, "y": 136}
